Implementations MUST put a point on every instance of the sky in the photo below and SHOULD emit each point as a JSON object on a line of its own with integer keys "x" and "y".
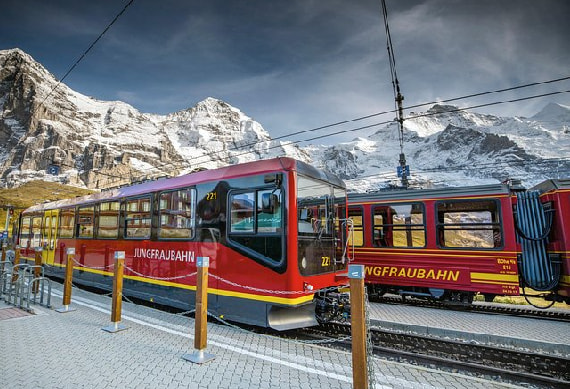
{"x": 296, "y": 65}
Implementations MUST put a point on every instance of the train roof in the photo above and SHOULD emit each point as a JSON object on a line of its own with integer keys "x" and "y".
{"x": 419, "y": 194}
{"x": 220, "y": 174}
{"x": 552, "y": 184}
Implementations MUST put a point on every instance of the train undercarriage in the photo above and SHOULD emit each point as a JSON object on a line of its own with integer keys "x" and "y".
{"x": 450, "y": 297}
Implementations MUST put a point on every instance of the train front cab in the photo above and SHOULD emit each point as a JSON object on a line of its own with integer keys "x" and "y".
{"x": 447, "y": 244}
{"x": 554, "y": 195}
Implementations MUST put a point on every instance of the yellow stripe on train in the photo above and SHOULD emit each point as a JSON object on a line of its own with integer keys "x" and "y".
{"x": 483, "y": 277}
{"x": 227, "y": 293}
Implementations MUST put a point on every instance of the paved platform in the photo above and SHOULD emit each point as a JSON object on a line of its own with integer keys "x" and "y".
{"x": 69, "y": 350}
{"x": 548, "y": 336}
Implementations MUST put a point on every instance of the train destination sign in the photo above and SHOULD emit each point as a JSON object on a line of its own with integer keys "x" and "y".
{"x": 164, "y": 255}
{"x": 413, "y": 272}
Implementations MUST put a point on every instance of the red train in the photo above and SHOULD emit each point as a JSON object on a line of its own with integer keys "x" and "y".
{"x": 266, "y": 267}
{"x": 450, "y": 244}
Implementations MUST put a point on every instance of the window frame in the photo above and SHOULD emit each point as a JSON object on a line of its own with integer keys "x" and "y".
{"x": 360, "y": 208}
{"x": 193, "y": 210}
{"x": 125, "y": 219}
{"x": 27, "y": 231}
{"x": 234, "y": 236}
{"x": 439, "y": 226}
{"x": 254, "y": 231}
{"x": 399, "y": 227}
{"x": 99, "y": 217}
{"x": 78, "y": 222}
{"x": 61, "y": 213}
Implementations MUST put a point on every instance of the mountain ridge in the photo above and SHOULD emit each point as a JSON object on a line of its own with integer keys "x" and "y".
{"x": 48, "y": 128}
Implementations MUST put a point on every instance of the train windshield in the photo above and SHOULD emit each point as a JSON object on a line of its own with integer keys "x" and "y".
{"x": 320, "y": 206}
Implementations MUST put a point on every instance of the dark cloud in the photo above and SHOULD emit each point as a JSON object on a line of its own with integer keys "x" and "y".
{"x": 298, "y": 64}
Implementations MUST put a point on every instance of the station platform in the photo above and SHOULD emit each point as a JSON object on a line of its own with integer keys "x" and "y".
{"x": 524, "y": 333}
{"x": 47, "y": 349}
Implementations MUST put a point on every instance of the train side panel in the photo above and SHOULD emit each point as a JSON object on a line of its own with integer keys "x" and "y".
{"x": 442, "y": 244}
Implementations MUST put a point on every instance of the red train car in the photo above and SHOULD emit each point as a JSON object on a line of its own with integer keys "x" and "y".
{"x": 447, "y": 244}
{"x": 265, "y": 268}
{"x": 450, "y": 244}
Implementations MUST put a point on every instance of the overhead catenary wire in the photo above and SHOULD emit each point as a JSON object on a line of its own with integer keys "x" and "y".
{"x": 427, "y": 114}
{"x": 478, "y": 94}
{"x": 506, "y": 163}
{"x": 356, "y": 129}
{"x": 251, "y": 144}
{"x": 87, "y": 51}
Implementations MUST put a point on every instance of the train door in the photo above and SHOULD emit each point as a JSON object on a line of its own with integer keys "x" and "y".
{"x": 49, "y": 236}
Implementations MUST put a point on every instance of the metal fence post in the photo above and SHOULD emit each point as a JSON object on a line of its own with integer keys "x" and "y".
{"x": 16, "y": 264}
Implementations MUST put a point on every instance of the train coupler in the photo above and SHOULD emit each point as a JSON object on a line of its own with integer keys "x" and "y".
{"x": 332, "y": 306}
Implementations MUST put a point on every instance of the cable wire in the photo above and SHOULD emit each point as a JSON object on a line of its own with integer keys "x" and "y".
{"x": 87, "y": 50}
{"x": 427, "y": 114}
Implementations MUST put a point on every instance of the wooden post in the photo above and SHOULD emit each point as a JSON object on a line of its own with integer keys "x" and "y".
{"x": 68, "y": 282}
{"x": 117, "y": 294}
{"x": 201, "y": 327}
{"x": 201, "y": 315}
{"x": 358, "y": 327}
{"x": 37, "y": 271}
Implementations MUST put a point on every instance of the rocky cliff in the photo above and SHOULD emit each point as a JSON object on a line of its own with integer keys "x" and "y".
{"x": 50, "y": 132}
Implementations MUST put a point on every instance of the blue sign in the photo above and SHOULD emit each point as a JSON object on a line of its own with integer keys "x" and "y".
{"x": 406, "y": 171}
{"x": 3, "y": 235}
{"x": 356, "y": 271}
{"x": 53, "y": 170}
{"x": 203, "y": 262}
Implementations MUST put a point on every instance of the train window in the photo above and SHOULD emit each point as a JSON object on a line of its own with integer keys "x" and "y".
{"x": 242, "y": 207}
{"x": 66, "y": 222}
{"x": 399, "y": 225}
{"x": 108, "y": 227}
{"x": 25, "y": 240}
{"x": 85, "y": 222}
{"x": 469, "y": 224}
{"x": 256, "y": 222}
{"x": 268, "y": 211}
{"x": 356, "y": 236}
{"x": 35, "y": 233}
{"x": 46, "y": 226}
{"x": 137, "y": 218}
{"x": 177, "y": 218}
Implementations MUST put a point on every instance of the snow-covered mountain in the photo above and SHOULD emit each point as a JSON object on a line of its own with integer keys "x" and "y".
{"x": 50, "y": 132}
{"x": 449, "y": 146}
{"x": 97, "y": 144}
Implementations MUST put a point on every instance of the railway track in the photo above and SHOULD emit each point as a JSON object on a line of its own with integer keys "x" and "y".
{"x": 487, "y": 308}
{"x": 506, "y": 365}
